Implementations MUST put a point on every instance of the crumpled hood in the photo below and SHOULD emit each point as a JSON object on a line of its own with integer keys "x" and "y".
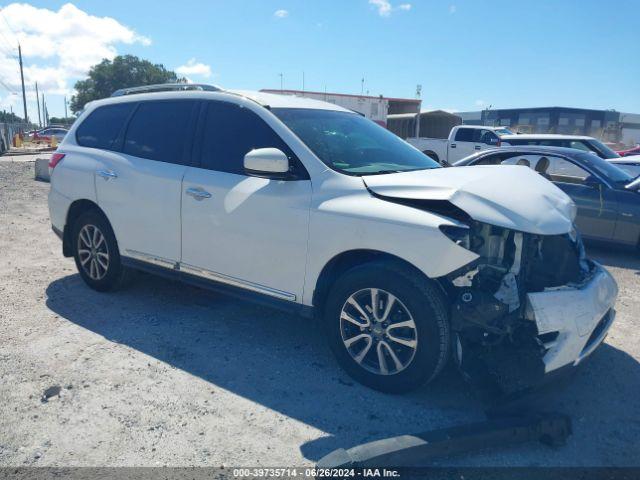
{"x": 508, "y": 196}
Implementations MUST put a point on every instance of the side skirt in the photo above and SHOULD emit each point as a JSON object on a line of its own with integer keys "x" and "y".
{"x": 230, "y": 290}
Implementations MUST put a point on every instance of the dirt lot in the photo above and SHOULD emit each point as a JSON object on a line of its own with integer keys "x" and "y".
{"x": 167, "y": 374}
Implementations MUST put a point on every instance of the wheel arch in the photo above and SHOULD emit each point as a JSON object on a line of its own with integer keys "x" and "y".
{"x": 433, "y": 155}
{"x": 352, "y": 258}
{"x": 77, "y": 208}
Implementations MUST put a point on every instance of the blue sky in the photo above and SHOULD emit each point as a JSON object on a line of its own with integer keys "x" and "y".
{"x": 466, "y": 54}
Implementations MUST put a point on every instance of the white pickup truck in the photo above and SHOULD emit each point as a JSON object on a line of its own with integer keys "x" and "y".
{"x": 463, "y": 141}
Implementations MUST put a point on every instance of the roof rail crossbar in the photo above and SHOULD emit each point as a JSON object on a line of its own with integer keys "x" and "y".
{"x": 166, "y": 87}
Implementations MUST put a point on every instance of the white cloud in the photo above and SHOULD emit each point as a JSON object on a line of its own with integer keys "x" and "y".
{"x": 480, "y": 103}
{"x": 194, "y": 68}
{"x": 385, "y": 8}
{"x": 58, "y": 47}
{"x": 452, "y": 9}
{"x": 281, "y": 13}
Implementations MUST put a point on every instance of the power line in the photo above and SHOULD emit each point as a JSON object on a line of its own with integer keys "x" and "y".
{"x": 10, "y": 90}
{"x": 7, "y": 22}
{"x": 9, "y": 45}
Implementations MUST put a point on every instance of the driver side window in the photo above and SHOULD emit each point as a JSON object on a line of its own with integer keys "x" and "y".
{"x": 561, "y": 170}
{"x": 230, "y": 132}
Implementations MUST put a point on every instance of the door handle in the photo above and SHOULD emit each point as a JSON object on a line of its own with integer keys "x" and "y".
{"x": 478, "y": 147}
{"x": 197, "y": 193}
{"x": 453, "y": 145}
{"x": 107, "y": 174}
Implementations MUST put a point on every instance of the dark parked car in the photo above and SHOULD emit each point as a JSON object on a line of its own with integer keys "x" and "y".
{"x": 579, "y": 142}
{"x": 631, "y": 165}
{"x": 607, "y": 197}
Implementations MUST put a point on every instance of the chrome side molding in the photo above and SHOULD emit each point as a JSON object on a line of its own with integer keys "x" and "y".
{"x": 208, "y": 274}
{"x": 155, "y": 260}
{"x": 236, "y": 282}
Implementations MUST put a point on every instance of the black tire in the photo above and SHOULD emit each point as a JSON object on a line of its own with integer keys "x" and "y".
{"x": 425, "y": 304}
{"x": 112, "y": 277}
{"x": 432, "y": 155}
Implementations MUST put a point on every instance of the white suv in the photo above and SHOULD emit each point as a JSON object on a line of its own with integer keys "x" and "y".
{"x": 310, "y": 207}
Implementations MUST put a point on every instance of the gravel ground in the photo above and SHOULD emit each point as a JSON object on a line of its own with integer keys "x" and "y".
{"x": 166, "y": 374}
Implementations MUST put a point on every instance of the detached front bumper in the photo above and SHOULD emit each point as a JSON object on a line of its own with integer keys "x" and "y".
{"x": 573, "y": 321}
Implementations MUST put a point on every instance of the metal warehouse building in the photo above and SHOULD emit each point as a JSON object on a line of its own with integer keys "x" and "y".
{"x": 607, "y": 125}
{"x": 374, "y": 108}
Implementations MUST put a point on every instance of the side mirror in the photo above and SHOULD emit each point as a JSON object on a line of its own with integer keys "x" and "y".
{"x": 266, "y": 162}
{"x": 491, "y": 140}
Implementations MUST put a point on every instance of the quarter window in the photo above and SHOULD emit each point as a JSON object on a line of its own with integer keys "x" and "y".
{"x": 232, "y": 131}
{"x": 101, "y": 128}
{"x": 158, "y": 131}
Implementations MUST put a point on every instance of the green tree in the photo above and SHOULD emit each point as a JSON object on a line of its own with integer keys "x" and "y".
{"x": 123, "y": 71}
{"x": 6, "y": 117}
{"x": 61, "y": 120}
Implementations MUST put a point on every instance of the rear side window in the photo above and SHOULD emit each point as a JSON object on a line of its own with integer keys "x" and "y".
{"x": 230, "y": 132}
{"x": 464, "y": 135}
{"x": 102, "y": 126}
{"x": 159, "y": 130}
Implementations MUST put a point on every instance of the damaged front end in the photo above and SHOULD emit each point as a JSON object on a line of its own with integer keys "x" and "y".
{"x": 525, "y": 306}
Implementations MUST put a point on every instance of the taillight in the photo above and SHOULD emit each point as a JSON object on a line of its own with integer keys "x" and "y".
{"x": 55, "y": 159}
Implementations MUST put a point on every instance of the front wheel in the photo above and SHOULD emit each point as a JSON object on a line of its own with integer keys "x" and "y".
{"x": 387, "y": 326}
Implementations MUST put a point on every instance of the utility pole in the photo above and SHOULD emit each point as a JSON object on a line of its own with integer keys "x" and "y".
{"x": 362, "y": 86}
{"x": 65, "y": 108}
{"x": 43, "y": 117}
{"x": 38, "y": 103}
{"x": 281, "y": 82}
{"x": 24, "y": 96}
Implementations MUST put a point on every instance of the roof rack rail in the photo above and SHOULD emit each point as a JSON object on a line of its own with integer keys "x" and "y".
{"x": 166, "y": 87}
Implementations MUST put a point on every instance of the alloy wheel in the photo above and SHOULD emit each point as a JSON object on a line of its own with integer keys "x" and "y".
{"x": 93, "y": 252}
{"x": 378, "y": 331}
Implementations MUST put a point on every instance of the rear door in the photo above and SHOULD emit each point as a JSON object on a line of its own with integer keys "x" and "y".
{"x": 239, "y": 229}
{"x": 462, "y": 145}
{"x": 139, "y": 185}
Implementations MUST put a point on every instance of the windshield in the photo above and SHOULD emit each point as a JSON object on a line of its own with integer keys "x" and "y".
{"x": 606, "y": 169}
{"x": 632, "y": 169}
{"x": 503, "y": 131}
{"x": 351, "y": 144}
{"x": 603, "y": 150}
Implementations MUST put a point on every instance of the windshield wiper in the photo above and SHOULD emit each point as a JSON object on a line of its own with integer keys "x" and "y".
{"x": 385, "y": 172}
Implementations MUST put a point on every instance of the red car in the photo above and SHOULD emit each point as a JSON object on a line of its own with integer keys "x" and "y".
{"x": 631, "y": 151}
{"x": 45, "y": 134}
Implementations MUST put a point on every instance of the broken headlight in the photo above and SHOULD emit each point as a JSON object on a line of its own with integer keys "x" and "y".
{"x": 459, "y": 235}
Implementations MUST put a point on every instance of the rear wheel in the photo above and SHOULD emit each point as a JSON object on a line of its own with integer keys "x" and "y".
{"x": 95, "y": 251}
{"x": 387, "y": 327}
{"x": 432, "y": 155}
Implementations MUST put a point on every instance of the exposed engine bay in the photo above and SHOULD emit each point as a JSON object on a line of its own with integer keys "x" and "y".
{"x": 495, "y": 335}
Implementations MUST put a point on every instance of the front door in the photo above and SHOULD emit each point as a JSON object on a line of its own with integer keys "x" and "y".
{"x": 462, "y": 145}
{"x": 596, "y": 202}
{"x": 238, "y": 229}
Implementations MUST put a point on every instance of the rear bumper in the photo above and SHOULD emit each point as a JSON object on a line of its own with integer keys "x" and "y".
{"x": 58, "y": 208}
{"x": 581, "y": 316}
{"x": 58, "y": 232}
